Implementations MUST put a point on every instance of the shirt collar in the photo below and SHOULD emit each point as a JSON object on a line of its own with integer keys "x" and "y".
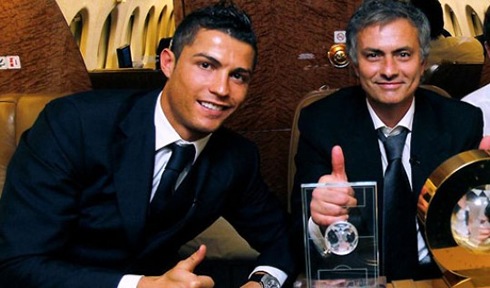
{"x": 406, "y": 121}
{"x": 165, "y": 134}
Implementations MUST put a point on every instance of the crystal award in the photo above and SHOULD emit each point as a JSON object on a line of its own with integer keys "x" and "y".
{"x": 344, "y": 254}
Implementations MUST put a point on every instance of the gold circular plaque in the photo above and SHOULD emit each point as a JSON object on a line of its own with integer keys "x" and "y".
{"x": 337, "y": 55}
{"x": 455, "y": 210}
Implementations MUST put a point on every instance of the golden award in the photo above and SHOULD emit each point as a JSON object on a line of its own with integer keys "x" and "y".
{"x": 454, "y": 208}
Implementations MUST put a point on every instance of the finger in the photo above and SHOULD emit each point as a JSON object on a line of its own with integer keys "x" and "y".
{"x": 324, "y": 220}
{"x": 351, "y": 193}
{"x": 338, "y": 163}
{"x": 192, "y": 261}
{"x": 327, "y": 208}
{"x": 342, "y": 196}
{"x": 485, "y": 143}
{"x": 205, "y": 281}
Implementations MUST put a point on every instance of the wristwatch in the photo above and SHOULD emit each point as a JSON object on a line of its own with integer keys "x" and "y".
{"x": 265, "y": 280}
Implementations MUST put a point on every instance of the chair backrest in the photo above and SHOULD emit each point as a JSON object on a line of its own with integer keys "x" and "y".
{"x": 17, "y": 113}
{"x": 436, "y": 89}
{"x": 457, "y": 79}
{"x": 309, "y": 98}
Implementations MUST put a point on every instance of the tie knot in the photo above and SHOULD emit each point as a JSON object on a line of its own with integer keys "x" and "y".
{"x": 393, "y": 144}
{"x": 181, "y": 156}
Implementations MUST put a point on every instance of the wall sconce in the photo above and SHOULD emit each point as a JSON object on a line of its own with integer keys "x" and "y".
{"x": 338, "y": 56}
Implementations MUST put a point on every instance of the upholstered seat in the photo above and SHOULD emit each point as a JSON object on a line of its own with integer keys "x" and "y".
{"x": 457, "y": 79}
{"x": 309, "y": 98}
{"x": 17, "y": 113}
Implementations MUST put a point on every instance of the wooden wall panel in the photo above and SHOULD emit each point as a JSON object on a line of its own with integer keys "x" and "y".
{"x": 288, "y": 32}
{"x": 36, "y": 31}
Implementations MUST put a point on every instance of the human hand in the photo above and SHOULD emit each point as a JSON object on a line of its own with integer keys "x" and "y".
{"x": 485, "y": 143}
{"x": 328, "y": 204}
{"x": 181, "y": 275}
{"x": 252, "y": 284}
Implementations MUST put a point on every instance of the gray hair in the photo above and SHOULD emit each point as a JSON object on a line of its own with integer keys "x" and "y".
{"x": 372, "y": 12}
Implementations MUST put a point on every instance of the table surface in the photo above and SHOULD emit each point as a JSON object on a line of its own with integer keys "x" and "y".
{"x": 434, "y": 283}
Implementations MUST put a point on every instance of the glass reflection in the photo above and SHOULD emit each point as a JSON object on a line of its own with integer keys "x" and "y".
{"x": 470, "y": 224}
{"x": 341, "y": 238}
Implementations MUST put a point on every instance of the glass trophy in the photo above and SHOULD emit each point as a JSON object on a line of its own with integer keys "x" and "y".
{"x": 344, "y": 254}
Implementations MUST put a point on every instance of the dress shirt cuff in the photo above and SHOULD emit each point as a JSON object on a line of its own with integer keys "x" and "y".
{"x": 278, "y": 274}
{"x": 316, "y": 235}
{"x": 129, "y": 281}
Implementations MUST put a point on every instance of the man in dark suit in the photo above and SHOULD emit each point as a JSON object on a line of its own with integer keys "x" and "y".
{"x": 388, "y": 43}
{"x": 77, "y": 208}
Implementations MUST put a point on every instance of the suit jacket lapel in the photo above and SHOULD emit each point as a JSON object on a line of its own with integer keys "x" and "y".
{"x": 193, "y": 184}
{"x": 133, "y": 158}
{"x": 199, "y": 179}
{"x": 429, "y": 140}
{"x": 202, "y": 174}
{"x": 203, "y": 177}
{"x": 365, "y": 144}
{"x": 362, "y": 144}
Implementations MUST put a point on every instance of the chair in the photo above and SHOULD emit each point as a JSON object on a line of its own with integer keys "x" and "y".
{"x": 457, "y": 79}
{"x": 436, "y": 89}
{"x": 309, "y": 98}
{"x": 17, "y": 113}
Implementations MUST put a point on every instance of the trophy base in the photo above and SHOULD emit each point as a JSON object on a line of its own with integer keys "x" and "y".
{"x": 430, "y": 283}
{"x": 456, "y": 281}
{"x": 447, "y": 281}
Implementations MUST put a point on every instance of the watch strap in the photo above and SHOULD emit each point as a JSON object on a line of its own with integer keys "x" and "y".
{"x": 256, "y": 277}
{"x": 265, "y": 280}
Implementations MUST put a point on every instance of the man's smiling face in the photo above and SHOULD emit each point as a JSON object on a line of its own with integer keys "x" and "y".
{"x": 390, "y": 63}
{"x": 206, "y": 84}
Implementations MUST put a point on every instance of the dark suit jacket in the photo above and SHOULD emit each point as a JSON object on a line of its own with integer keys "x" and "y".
{"x": 75, "y": 201}
{"x": 442, "y": 127}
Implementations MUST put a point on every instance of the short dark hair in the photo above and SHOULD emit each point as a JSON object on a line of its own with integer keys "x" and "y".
{"x": 224, "y": 17}
{"x": 486, "y": 26}
{"x": 433, "y": 10}
{"x": 372, "y": 12}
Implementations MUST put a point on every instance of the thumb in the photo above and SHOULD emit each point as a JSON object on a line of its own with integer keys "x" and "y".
{"x": 192, "y": 261}
{"x": 338, "y": 164}
{"x": 485, "y": 143}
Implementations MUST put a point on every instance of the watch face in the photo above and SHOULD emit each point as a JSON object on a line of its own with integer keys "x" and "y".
{"x": 269, "y": 281}
{"x": 271, "y": 284}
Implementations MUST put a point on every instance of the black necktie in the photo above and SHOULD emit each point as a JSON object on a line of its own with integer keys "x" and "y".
{"x": 399, "y": 253}
{"x": 181, "y": 156}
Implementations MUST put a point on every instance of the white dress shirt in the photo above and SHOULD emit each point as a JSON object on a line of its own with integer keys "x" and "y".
{"x": 481, "y": 99}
